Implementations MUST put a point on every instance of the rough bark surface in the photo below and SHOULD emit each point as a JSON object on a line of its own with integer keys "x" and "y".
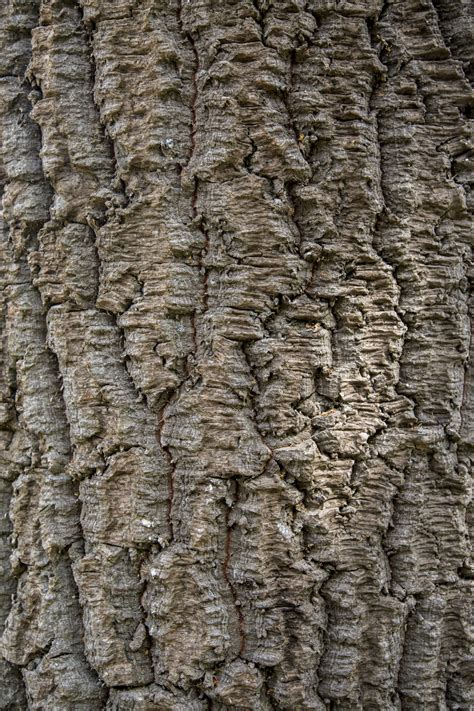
{"x": 236, "y": 403}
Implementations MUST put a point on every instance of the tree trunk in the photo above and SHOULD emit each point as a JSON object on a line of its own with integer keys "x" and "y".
{"x": 235, "y": 399}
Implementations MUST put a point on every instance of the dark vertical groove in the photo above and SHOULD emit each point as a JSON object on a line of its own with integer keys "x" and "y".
{"x": 165, "y": 449}
{"x": 228, "y": 554}
{"x": 198, "y": 218}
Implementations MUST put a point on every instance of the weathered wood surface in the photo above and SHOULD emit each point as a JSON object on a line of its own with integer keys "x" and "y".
{"x": 236, "y": 403}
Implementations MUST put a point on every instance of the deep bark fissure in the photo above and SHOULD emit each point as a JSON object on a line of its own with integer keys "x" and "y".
{"x": 198, "y": 219}
{"x": 228, "y": 554}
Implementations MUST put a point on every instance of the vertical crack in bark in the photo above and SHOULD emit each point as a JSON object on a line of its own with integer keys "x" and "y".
{"x": 253, "y": 409}
{"x": 227, "y": 558}
{"x": 118, "y": 185}
{"x": 172, "y": 466}
{"x": 376, "y": 43}
{"x": 466, "y": 382}
{"x": 89, "y": 31}
{"x": 299, "y": 139}
{"x": 198, "y": 220}
{"x": 384, "y": 212}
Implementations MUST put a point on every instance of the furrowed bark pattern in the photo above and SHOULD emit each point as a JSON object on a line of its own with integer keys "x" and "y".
{"x": 236, "y": 396}
{"x": 43, "y": 633}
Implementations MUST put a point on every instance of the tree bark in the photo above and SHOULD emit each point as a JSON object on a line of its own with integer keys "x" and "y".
{"x": 236, "y": 402}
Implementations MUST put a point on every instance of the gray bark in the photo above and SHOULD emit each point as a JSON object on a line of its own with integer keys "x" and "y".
{"x": 236, "y": 399}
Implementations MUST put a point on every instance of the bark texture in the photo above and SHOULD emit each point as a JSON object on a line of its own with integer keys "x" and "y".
{"x": 236, "y": 404}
